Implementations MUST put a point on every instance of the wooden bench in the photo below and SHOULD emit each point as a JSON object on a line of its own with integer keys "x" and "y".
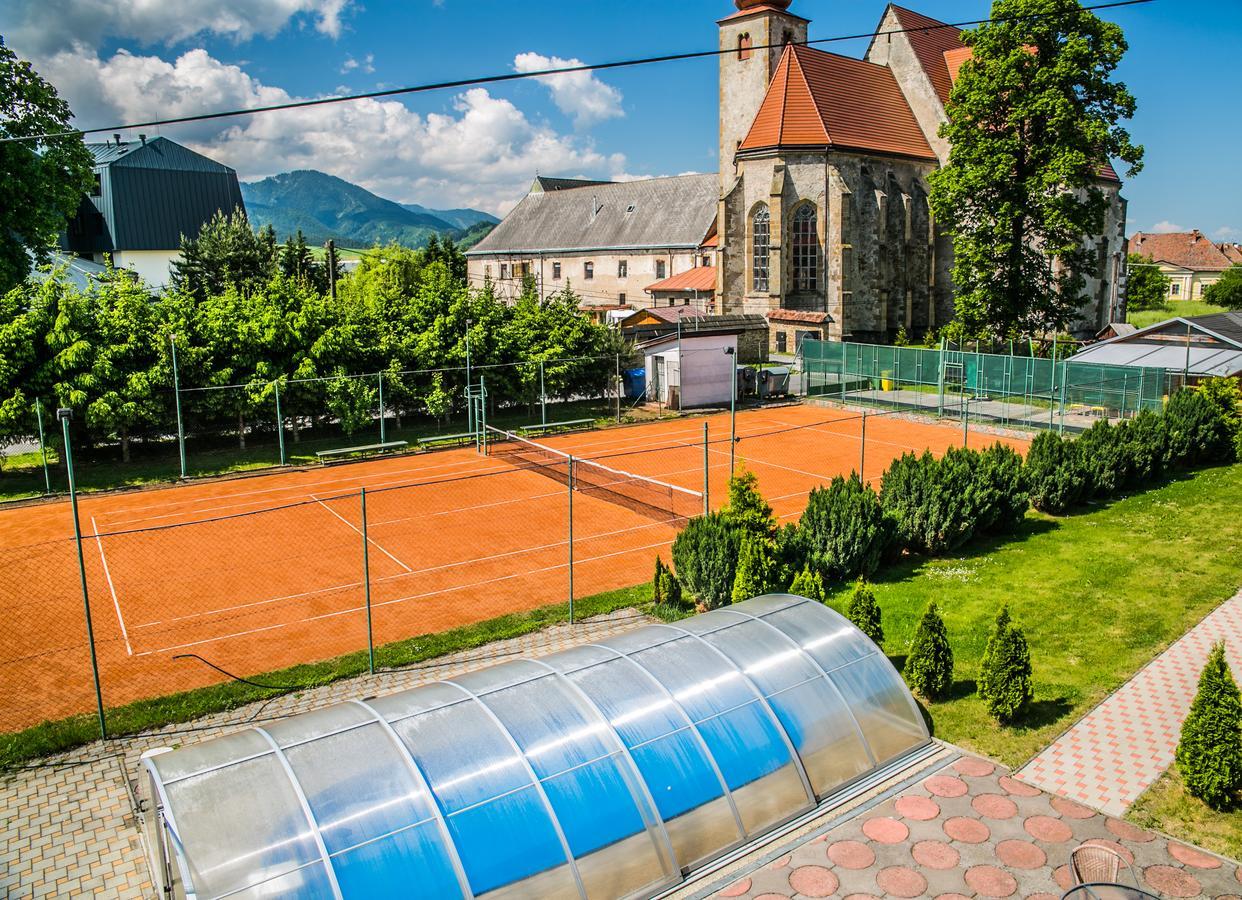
{"x": 572, "y": 423}
{"x": 462, "y": 438}
{"x": 325, "y": 455}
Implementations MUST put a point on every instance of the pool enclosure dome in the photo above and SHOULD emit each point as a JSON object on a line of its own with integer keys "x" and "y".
{"x": 608, "y": 770}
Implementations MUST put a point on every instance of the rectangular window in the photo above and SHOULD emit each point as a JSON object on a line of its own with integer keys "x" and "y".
{"x": 707, "y": 260}
{"x": 621, "y": 299}
{"x": 661, "y": 269}
{"x": 487, "y": 272}
{"x": 1175, "y": 289}
{"x": 525, "y": 269}
{"x": 588, "y": 270}
{"x": 556, "y": 271}
{"x": 782, "y": 340}
{"x": 504, "y": 271}
{"x": 623, "y": 268}
{"x": 672, "y": 302}
{"x": 97, "y": 186}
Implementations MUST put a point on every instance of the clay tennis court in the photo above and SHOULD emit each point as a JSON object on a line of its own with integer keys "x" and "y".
{"x": 259, "y": 573}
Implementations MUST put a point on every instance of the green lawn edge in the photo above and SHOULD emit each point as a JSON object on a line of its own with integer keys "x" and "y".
{"x": 51, "y": 737}
{"x": 1167, "y": 807}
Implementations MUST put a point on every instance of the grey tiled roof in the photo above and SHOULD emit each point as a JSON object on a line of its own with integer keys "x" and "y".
{"x": 657, "y": 212}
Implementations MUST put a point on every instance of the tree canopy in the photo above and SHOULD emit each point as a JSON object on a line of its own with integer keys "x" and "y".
{"x": 1226, "y": 292}
{"x": 44, "y": 180}
{"x": 1033, "y": 116}
{"x": 1146, "y": 286}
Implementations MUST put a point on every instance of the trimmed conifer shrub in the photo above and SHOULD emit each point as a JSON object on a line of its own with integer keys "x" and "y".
{"x": 844, "y": 530}
{"x": 657, "y": 582}
{"x": 1005, "y": 673}
{"x": 1197, "y": 429}
{"x": 1054, "y": 473}
{"x": 1103, "y": 460}
{"x": 929, "y": 666}
{"x": 705, "y": 556}
{"x": 1002, "y": 497}
{"x": 933, "y": 502}
{"x": 865, "y": 613}
{"x": 1209, "y": 754}
{"x": 1146, "y": 447}
{"x": 791, "y": 551}
{"x": 758, "y": 570}
{"x": 746, "y": 508}
{"x": 808, "y": 584}
{"x": 667, "y": 589}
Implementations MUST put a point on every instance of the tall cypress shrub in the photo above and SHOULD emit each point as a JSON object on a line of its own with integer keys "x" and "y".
{"x": 1003, "y": 496}
{"x": 758, "y": 570}
{"x": 1005, "y": 673}
{"x": 705, "y": 556}
{"x": 1198, "y": 429}
{"x": 1103, "y": 461}
{"x": 865, "y": 613}
{"x": 929, "y": 666}
{"x": 844, "y": 530}
{"x": 1054, "y": 473}
{"x": 809, "y": 584}
{"x": 1209, "y": 754}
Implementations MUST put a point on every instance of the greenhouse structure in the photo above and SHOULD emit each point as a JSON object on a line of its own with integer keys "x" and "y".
{"x": 613, "y": 769}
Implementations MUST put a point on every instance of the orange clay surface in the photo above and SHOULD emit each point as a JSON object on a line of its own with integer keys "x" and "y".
{"x": 255, "y": 574}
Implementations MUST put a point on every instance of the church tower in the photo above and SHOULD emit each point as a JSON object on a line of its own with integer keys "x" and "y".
{"x": 746, "y": 69}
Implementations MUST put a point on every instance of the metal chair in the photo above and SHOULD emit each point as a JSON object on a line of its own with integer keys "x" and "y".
{"x": 1092, "y": 864}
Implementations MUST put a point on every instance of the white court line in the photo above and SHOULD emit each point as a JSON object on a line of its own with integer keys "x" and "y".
{"x": 355, "y": 528}
{"x": 356, "y": 609}
{"x": 116, "y": 604}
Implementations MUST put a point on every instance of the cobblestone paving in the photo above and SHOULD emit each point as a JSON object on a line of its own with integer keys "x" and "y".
{"x": 69, "y": 828}
{"x": 1120, "y": 748}
{"x": 971, "y": 830}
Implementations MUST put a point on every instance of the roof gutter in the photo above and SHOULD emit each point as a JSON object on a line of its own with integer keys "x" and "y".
{"x": 545, "y": 250}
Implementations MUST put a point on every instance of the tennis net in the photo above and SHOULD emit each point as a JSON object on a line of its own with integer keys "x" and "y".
{"x": 649, "y": 496}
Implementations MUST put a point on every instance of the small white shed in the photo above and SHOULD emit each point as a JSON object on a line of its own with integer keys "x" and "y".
{"x": 693, "y": 370}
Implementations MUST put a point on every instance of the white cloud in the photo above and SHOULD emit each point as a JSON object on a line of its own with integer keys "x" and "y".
{"x": 580, "y": 95}
{"x": 41, "y": 27}
{"x": 1167, "y": 227}
{"x": 483, "y": 152}
{"x": 1227, "y": 233}
{"x": 365, "y": 65}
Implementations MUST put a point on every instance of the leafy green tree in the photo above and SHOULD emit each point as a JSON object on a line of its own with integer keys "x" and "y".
{"x": 353, "y": 401}
{"x": 844, "y": 530}
{"x": 865, "y": 613}
{"x": 758, "y": 569}
{"x": 1005, "y": 673}
{"x": 746, "y": 507}
{"x": 705, "y": 555}
{"x": 226, "y": 253}
{"x": 929, "y": 665}
{"x": 809, "y": 584}
{"x": 1226, "y": 292}
{"x": 45, "y": 180}
{"x": 1146, "y": 286}
{"x": 1209, "y": 754}
{"x": 1033, "y": 115}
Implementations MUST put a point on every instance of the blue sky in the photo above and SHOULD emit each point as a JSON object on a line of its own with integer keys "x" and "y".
{"x": 480, "y": 148}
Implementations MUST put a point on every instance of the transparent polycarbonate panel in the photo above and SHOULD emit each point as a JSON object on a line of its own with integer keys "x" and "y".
{"x": 412, "y": 862}
{"x": 358, "y": 786}
{"x": 503, "y": 675}
{"x": 829, "y": 638}
{"x": 463, "y": 754}
{"x": 882, "y": 706}
{"x": 768, "y": 603}
{"x": 509, "y": 840}
{"x": 209, "y": 754}
{"x": 642, "y": 638}
{"x": 308, "y": 883}
{"x": 702, "y": 682}
{"x": 710, "y": 621}
{"x": 815, "y": 717}
{"x": 420, "y": 699}
{"x": 296, "y": 729}
{"x": 606, "y": 831}
{"x": 553, "y": 727}
{"x": 635, "y": 704}
{"x": 241, "y": 825}
{"x": 578, "y": 657}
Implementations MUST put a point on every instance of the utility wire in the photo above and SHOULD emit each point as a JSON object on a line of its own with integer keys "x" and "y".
{"x": 541, "y": 73}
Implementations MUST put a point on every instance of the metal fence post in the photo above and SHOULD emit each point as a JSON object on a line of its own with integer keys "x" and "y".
{"x": 862, "y": 451}
{"x": 65, "y": 415}
{"x": 940, "y": 380}
{"x": 707, "y": 502}
{"x": 543, "y": 398}
{"x": 280, "y": 426}
{"x": 380, "y": 377}
{"x": 570, "y": 481}
{"x": 366, "y": 581}
{"x": 620, "y": 387}
{"x": 172, "y": 342}
{"x": 47, "y": 479}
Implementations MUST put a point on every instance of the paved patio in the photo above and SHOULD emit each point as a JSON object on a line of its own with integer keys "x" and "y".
{"x": 965, "y": 829}
{"x": 1119, "y": 749}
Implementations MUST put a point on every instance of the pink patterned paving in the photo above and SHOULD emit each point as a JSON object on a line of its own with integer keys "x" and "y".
{"x": 920, "y": 843}
{"x": 1119, "y": 749}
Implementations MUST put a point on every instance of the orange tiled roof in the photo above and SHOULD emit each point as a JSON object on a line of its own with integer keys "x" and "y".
{"x": 799, "y": 316}
{"x": 1233, "y": 253}
{"x": 763, "y": 7}
{"x": 819, "y": 99}
{"x": 700, "y": 278}
{"x": 713, "y": 241}
{"x": 1188, "y": 249}
{"x": 931, "y": 41}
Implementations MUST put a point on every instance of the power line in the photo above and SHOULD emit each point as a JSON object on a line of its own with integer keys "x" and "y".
{"x": 541, "y": 73}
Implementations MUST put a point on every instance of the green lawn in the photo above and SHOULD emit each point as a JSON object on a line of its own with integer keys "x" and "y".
{"x": 1098, "y": 594}
{"x": 1167, "y": 807}
{"x": 1144, "y": 317}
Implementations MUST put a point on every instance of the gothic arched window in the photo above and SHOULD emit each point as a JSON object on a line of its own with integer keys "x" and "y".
{"x": 804, "y": 238}
{"x": 761, "y": 238}
{"x": 744, "y": 44}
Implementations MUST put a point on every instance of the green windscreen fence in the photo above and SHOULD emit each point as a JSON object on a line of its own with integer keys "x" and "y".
{"x": 1018, "y": 390}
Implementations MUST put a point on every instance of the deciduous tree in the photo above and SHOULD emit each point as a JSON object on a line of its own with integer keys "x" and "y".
{"x": 1146, "y": 286}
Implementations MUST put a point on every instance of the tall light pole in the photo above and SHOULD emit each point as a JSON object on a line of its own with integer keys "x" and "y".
{"x": 65, "y": 414}
{"x": 731, "y": 352}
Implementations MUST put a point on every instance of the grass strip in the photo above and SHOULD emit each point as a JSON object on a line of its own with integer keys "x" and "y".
{"x": 1168, "y": 808}
{"x": 64, "y": 734}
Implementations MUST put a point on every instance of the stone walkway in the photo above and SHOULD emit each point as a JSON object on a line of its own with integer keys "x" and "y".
{"x": 969, "y": 829}
{"x": 1119, "y": 749}
{"x": 69, "y": 827}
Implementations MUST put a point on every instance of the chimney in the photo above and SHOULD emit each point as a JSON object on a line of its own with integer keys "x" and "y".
{"x": 117, "y": 138}
{"x": 1194, "y": 236}
{"x": 143, "y": 138}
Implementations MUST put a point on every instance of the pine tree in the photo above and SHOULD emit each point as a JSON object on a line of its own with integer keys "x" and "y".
{"x": 929, "y": 667}
{"x": 809, "y": 584}
{"x": 666, "y": 589}
{"x": 657, "y": 583}
{"x": 757, "y": 569}
{"x": 1005, "y": 674}
{"x": 746, "y": 507}
{"x": 864, "y": 612}
{"x": 1209, "y": 755}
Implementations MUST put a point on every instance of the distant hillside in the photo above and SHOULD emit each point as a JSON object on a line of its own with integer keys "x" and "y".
{"x": 324, "y": 206}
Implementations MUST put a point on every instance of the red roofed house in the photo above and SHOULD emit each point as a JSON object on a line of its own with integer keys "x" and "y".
{"x": 1189, "y": 259}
